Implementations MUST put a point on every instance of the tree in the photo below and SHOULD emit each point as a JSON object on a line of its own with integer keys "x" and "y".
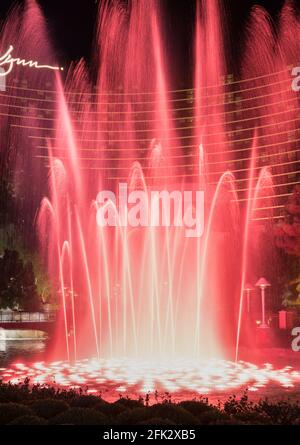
{"x": 287, "y": 236}
{"x": 17, "y": 283}
{"x": 6, "y": 201}
{"x": 287, "y": 231}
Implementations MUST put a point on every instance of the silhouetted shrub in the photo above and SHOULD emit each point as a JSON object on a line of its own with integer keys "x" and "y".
{"x": 156, "y": 421}
{"x": 114, "y": 409}
{"x": 129, "y": 403}
{"x": 281, "y": 413}
{"x": 253, "y": 418}
{"x": 14, "y": 393}
{"x": 213, "y": 416}
{"x": 133, "y": 416}
{"x": 234, "y": 406}
{"x": 111, "y": 410}
{"x": 196, "y": 408}
{"x": 172, "y": 412}
{"x": 48, "y": 408}
{"x": 23, "y": 404}
{"x": 28, "y": 420}
{"x": 10, "y": 411}
{"x": 80, "y": 416}
{"x": 87, "y": 401}
{"x": 227, "y": 421}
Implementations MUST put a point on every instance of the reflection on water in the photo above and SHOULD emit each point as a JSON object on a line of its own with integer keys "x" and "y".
{"x": 21, "y": 350}
{"x": 184, "y": 379}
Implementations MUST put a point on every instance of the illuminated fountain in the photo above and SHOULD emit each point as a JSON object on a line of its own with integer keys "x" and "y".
{"x": 132, "y": 297}
{"x": 142, "y": 292}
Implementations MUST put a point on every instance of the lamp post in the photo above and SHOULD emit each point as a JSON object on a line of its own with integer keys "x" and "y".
{"x": 248, "y": 288}
{"x": 263, "y": 284}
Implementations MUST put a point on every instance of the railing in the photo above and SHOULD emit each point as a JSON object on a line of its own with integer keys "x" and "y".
{"x": 27, "y": 317}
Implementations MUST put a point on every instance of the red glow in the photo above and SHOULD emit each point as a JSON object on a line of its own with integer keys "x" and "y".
{"x": 185, "y": 376}
{"x": 151, "y": 293}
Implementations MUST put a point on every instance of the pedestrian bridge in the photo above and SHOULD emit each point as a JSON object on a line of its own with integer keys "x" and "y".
{"x": 42, "y": 321}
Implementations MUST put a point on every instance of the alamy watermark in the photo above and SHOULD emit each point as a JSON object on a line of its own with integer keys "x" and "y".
{"x": 296, "y": 87}
{"x": 296, "y": 81}
{"x": 296, "y": 340}
{"x": 140, "y": 208}
{"x": 2, "y": 80}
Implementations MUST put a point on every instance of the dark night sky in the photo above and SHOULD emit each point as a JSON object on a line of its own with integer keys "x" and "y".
{"x": 72, "y": 23}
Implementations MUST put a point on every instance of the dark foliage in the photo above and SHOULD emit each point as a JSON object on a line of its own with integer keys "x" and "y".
{"x": 88, "y": 401}
{"x": 28, "y": 420}
{"x": 11, "y": 411}
{"x": 17, "y": 283}
{"x": 80, "y": 416}
{"x": 24, "y": 404}
{"x": 287, "y": 231}
{"x": 48, "y": 408}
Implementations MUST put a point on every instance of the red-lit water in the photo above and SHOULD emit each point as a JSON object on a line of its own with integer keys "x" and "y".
{"x": 132, "y": 297}
{"x": 182, "y": 379}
